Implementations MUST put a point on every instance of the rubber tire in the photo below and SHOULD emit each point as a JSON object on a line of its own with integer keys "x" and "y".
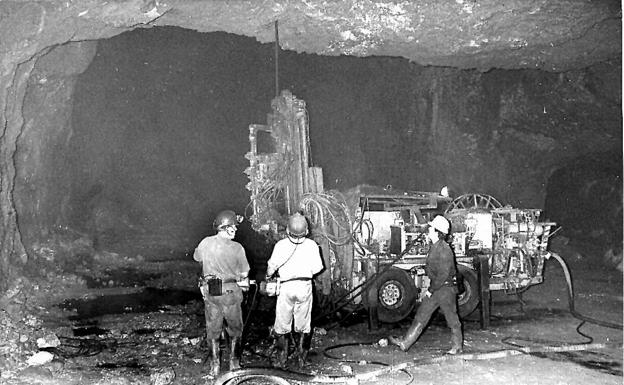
{"x": 468, "y": 284}
{"x": 401, "y": 280}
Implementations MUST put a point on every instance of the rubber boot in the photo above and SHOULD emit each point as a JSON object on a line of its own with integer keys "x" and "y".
{"x": 303, "y": 347}
{"x": 282, "y": 351}
{"x": 234, "y": 353}
{"x": 410, "y": 337}
{"x": 456, "y": 341}
{"x": 215, "y": 357}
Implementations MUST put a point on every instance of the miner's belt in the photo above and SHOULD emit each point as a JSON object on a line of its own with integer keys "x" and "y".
{"x": 229, "y": 280}
{"x": 223, "y": 292}
{"x": 297, "y": 279}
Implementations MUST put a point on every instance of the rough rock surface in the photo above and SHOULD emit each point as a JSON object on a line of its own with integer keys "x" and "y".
{"x": 550, "y": 35}
{"x": 547, "y": 35}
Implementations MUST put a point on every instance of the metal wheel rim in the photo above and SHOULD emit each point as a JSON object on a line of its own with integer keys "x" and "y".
{"x": 463, "y": 295}
{"x": 390, "y": 294}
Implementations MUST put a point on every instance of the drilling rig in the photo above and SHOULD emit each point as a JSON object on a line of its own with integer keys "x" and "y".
{"x": 373, "y": 239}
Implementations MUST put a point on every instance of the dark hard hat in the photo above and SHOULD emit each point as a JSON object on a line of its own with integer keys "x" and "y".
{"x": 226, "y": 218}
{"x": 297, "y": 225}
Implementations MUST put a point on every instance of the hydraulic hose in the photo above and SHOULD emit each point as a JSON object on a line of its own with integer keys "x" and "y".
{"x": 576, "y": 314}
{"x": 279, "y": 376}
{"x": 360, "y": 344}
{"x": 519, "y": 350}
{"x": 251, "y": 307}
{"x": 368, "y": 282}
{"x": 282, "y": 377}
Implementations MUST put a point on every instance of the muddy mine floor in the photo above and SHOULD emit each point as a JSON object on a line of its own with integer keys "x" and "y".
{"x": 127, "y": 321}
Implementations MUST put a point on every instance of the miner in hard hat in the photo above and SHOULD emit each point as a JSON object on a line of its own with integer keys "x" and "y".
{"x": 296, "y": 259}
{"x": 224, "y": 267}
{"x": 442, "y": 292}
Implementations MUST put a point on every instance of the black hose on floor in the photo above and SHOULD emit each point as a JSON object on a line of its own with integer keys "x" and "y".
{"x": 360, "y": 344}
{"x": 576, "y": 314}
{"x": 281, "y": 377}
{"x": 546, "y": 346}
{"x": 278, "y": 376}
{"x": 549, "y": 345}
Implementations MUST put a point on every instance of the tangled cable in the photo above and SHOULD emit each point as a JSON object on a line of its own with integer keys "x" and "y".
{"x": 329, "y": 216}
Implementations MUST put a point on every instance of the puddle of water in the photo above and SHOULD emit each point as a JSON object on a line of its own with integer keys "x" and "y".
{"x": 116, "y": 365}
{"x": 133, "y": 366}
{"x": 118, "y": 278}
{"x": 88, "y": 331}
{"x": 147, "y": 300}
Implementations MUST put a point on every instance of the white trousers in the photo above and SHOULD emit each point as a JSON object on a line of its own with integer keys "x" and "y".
{"x": 294, "y": 302}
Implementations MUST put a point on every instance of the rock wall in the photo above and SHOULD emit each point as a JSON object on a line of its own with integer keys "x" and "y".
{"x": 43, "y": 178}
{"x": 160, "y": 124}
{"x": 583, "y": 116}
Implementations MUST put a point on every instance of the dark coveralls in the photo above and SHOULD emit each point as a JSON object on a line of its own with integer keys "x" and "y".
{"x": 225, "y": 259}
{"x": 441, "y": 270}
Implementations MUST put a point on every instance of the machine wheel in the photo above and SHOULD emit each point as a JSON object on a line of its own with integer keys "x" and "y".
{"x": 395, "y": 293}
{"x": 474, "y": 201}
{"x": 468, "y": 297}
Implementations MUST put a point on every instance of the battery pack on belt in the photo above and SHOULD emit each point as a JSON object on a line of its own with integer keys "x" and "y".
{"x": 215, "y": 284}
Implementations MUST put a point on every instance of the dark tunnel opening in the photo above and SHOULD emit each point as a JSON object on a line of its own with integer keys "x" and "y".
{"x": 173, "y": 136}
{"x": 584, "y": 197}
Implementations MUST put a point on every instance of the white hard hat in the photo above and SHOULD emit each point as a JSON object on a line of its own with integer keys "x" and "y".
{"x": 441, "y": 224}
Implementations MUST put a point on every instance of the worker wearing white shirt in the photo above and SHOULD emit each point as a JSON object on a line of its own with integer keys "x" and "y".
{"x": 297, "y": 260}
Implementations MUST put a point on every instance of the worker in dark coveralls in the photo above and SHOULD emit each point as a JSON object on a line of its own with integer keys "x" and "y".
{"x": 442, "y": 292}
{"x": 224, "y": 264}
{"x": 297, "y": 259}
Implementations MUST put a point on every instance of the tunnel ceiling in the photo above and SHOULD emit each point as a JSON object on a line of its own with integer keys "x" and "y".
{"x": 553, "y": 35}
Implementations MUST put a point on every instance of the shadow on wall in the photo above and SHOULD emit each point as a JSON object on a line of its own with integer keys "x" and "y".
{"x": 585, "y": 199}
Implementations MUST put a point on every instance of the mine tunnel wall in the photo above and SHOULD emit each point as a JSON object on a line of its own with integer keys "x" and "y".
{"x": 585, "y": 198}
{"x": 43, "y": 171}
{"x": 138, "y": 152}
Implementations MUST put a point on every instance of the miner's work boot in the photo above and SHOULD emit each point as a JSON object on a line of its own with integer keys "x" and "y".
{"x": 282, "y": 351}
{"x": 303, "y": 347}
{"x": 456, "y": 341}
{"x": 215, "y": 357}
{"x": 235, "y": 353}
{"x": 410, "y": 337}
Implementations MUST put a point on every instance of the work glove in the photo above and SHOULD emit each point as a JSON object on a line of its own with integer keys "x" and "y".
{"x": 427, "y": 294}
